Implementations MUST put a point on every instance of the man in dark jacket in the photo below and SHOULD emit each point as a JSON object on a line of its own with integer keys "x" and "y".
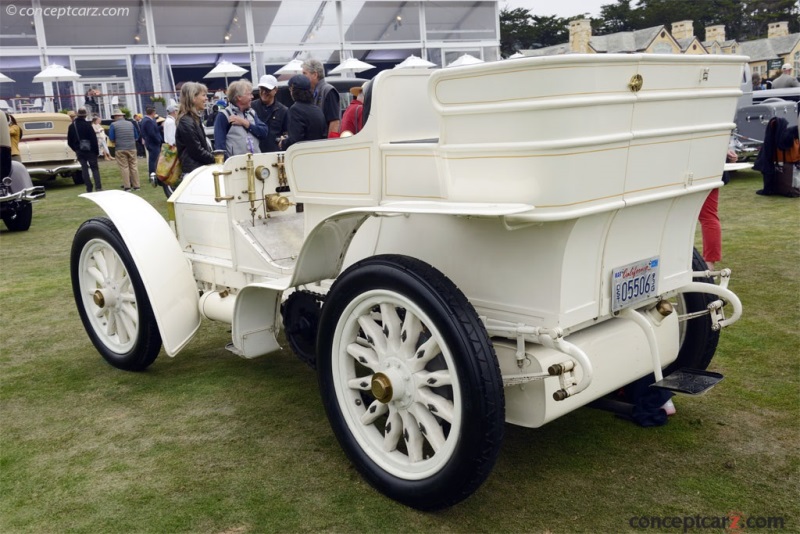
{"x": 306, "y": 121}
{"x": 83, "y": 141}
{"x": 271, "y": 112}
{"x": 324, "y": 95}
{"x": 152, "y": 138}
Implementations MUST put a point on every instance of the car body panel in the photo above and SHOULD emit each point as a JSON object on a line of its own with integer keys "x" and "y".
{"x": 162, "y": 266}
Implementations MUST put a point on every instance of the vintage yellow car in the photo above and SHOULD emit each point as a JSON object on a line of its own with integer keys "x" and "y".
{"x": 44, "y": 148}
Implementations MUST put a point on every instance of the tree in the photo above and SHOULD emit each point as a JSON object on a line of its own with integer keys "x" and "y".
{"x": 744, "y": 20}
{"x": 615, "y": 18}
{"x": 519, "y": 30}
{"x": 516, "y": 32}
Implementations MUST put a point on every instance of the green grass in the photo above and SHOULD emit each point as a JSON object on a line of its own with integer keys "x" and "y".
{"x": 208, "y": 442}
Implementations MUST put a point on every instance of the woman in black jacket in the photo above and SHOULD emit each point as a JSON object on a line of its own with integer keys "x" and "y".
{"x": 190, "y": 137}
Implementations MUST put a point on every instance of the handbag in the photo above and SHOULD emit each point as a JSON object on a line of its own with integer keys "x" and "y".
{"x": 168, "y": 169}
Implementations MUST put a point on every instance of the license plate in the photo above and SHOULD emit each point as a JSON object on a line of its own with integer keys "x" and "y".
{"x": 634, "y": 283}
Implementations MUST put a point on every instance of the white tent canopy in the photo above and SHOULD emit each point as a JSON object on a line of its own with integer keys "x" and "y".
{"x": 295, "y": 66}
{"x": 225, "y": 69}
{"x": 4, "y": 78}
{"x": 414, "y": 62}
{"x": 351, "y": 65}
{"x": 466, "y": 59}
{"x": 56, "y": 73}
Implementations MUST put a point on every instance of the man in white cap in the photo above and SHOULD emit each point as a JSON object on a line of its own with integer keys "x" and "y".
{"x": 786, "y": 79}
{"x": 271, "y": 112}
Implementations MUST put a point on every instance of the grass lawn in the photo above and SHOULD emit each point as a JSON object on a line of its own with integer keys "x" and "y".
{"x": 209, "y": 442}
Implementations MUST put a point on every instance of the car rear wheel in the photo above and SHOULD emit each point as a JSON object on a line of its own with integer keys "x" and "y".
{"x": 698, "y": 341}
{"x": 111, "y": 298}
{"x": 410, "y": 381}
{"x": 20, "y": 219}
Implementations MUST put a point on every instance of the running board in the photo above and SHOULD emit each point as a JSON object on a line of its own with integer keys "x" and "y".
{"x": 689, "y": 381}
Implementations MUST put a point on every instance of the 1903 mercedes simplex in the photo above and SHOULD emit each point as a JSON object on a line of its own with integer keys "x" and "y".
{"x": 504, "y": 242}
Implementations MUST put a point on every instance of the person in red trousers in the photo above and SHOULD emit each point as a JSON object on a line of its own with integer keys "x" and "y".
{"x": 709, "y": 222}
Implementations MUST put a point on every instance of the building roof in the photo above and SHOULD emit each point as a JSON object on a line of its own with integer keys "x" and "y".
{"x": 722, "y": 44}
{"x": 634, "y": 41}
{"x": 620, "y": 42}
{"x": 763, "y": 49}
{"x": 554, "y": 50}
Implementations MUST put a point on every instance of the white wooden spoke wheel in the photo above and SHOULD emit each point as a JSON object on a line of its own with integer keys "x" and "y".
{"x": 410, "y": 381}
{"x": 111, "y": 299}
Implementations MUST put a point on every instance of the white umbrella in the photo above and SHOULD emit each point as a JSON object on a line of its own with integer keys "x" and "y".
{"x": 295, "y": 66}
{"x": 466, "y": 59}
{"x": 56, "y": 73}
{"x": 4, "y": 78}
{"x": 414, "y": 62}
{"x": 352, "y": 64}
{"x": 224, "y": 69}
{"x": 516, "y": 56}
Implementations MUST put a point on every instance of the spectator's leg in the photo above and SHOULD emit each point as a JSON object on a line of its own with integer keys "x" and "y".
{"x": 711, "y": 229}
{"x": 95, "y": 172}
{"x": 134, "y": 170}
{"x": 87, "y": 180}
{"x": 152, "y": 159}
{"x": 122, "y": 161}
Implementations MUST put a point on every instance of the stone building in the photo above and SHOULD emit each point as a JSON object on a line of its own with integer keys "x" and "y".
{"x": 766, "y": 55}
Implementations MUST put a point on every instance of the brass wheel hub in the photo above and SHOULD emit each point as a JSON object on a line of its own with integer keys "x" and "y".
{"x": 99, "y": 299}
{"x": 382, "y": 387}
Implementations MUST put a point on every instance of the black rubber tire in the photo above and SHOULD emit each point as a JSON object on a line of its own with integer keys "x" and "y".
{"x": 143, "y": 348}
{"x": 468, "y": 463}
{"x": 301, "y": 313}
{"x": 699, "y": 341}
{"x": 21, "y": 220}
{"x": 77, "y": 177}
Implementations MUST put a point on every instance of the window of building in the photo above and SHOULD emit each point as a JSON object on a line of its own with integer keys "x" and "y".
{"x": 377, "y": 22}
{"x": 18, "y": 29}
{"x": 460, "y": 21}
{"x": 199, "y": 22}
{"x": 89, "y": 23}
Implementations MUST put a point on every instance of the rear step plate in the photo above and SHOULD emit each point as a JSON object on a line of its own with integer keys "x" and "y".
{"x": 689, "y": 381}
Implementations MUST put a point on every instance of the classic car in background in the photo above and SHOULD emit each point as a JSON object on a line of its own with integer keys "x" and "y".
{"x": 44, "y": 148}
{"x": 754, "y": 111}
{"x": 17, "y": 192}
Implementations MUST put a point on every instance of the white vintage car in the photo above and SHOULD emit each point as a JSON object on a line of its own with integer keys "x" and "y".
{"x": 504, "y": 242}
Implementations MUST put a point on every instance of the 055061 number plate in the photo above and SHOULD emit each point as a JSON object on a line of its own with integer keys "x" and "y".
{"x": 634, "y": 283}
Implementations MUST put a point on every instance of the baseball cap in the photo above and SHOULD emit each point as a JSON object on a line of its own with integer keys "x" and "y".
{"x": 300, "y": 81}
{"x": 268, "y": 82}
{"x": 787, "y": 66}
{"x": 171, "y": 108}
{"x": 221, "y": 103}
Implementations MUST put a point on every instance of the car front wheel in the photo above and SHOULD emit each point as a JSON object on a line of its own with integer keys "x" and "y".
{"x": 111, "y": 299}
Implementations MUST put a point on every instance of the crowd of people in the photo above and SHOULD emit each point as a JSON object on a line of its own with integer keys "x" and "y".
{"x": 243, "y": 122}
{"x": 783, "y": 81}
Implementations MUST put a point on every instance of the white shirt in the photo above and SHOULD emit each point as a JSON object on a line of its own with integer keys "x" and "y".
{"x": 169, "y": 130}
